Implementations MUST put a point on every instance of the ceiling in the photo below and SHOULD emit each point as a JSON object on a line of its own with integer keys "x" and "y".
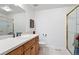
{"x": 48, "y": 6}
{"x": 15, "y": 9}
{"x": 36, "y": 7}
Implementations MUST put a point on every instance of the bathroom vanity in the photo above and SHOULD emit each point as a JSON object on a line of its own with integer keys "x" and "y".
{"x": 22, "y": 45}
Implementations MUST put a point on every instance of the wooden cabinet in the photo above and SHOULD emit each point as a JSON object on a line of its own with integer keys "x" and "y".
{"x": 17, "y": 51}
{"x": 29, "y": 48}
{"x": 27, "y": 52}
{"x": 37, "y": 48}
{"x": 33, "y": 49}
{"x": 37, "y": 45}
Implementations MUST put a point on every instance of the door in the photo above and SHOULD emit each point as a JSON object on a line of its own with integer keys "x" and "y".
{"x": 32, "y": 49}
{"x": 27, "y": 52}
{"x": 72, "y": 30}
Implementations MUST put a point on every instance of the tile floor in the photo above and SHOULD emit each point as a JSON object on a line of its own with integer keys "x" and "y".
{"x": 44, "y": 50}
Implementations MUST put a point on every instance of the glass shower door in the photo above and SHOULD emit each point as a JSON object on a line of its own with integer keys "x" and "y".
{"x": 72, "y": 30}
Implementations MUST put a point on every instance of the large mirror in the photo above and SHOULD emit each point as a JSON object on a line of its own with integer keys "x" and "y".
{"x": 6, "y": 26}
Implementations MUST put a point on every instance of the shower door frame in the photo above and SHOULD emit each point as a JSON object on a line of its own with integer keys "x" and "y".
{"x": 67, "y": 27}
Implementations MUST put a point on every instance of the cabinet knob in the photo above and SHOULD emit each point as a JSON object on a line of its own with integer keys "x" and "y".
{"x": 31, "y": 47}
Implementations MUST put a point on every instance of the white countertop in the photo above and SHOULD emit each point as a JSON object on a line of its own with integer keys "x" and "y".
{"x": 9, "y": 44}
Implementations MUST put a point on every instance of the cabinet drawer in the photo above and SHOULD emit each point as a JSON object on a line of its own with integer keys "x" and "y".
{"x": 27, "y": 52}
{"x": 37, "y": 39}
{"x": 17, "y": 51}
{"x": 28, "y": 44}
{"x": 32, "y": 49}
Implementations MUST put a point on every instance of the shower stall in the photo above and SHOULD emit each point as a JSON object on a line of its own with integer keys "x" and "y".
{"x": 72, "y": 28}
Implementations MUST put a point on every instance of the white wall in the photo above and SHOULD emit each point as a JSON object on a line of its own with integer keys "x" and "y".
{"x": 30, "y": 14}
{"x": 52, "y": 22}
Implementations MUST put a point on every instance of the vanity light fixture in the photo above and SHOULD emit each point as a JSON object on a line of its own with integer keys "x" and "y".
{"x": 18, "y": 4}
{"x": 35, "y": 5}
{"x": 6, "y": 8}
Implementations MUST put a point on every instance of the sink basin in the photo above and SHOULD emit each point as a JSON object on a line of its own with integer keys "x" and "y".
{"x": 24, "y": 36}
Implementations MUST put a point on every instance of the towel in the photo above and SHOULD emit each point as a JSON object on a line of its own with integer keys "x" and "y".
{"x": 75, "y": 44}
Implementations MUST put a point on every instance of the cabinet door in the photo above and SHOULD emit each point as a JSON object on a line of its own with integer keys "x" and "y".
{"x": 18, "y": 51}
{"x": 33, "y": 49}
{"x": 36, "y": 48}
{"x": 27, "y": 52}
{"x": 28, "y": 44}
{"x": 37, "y": 45}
